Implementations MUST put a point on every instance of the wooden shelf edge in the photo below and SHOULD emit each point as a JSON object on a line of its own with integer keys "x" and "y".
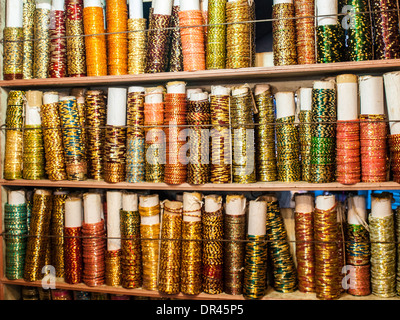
{"x": 322, "y": 69}
{"x": 232, "y": 187}
{"x": 270, "y": 293}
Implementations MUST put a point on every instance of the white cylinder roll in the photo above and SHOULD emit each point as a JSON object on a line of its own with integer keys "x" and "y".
{"x": 261, "y": 88}
{"x": 192, "y": 203}
{"x": 50, "y": 97}
{"x": 92, "y": 207}
{"x": 149, "y": 201}
{"x": 32, "y": 109}
{"x": 347, "y": 101}
{"x": 199, "y": 96}
{"x": 357, "y": 213}
{"x": 220, "y": 91}
{"x": 304, "y": 203}
{"x": 129, "y": 201}
{"x": 327, "y": 11}
{"x": 381, "y": 206}
{"x": 186, "y": 5}
{"x": 371, "y": 95}
{"x": 114, "y": 205}
{"x": 58, "y": 5}
{"x": 135, "y": 9}
{"x": 154, "y": 95}
{"x": 136, "y": 89}
{"x": 235, "y": 204}
{"x": 116, "y": 107}
{"x": 305, "y": 99}
{"x": 163, "y": 7}
{"x": 212, "y": 203}
{"x": 176, "y": 87}
{"x": 282, "y": 1}
{"x": 189, "y": 92}
{"x": 285, "y": 104}
{"x": 257, "y": 223}
{"x": 14, "y": 13}
{"x": 16, "y": 197}
{"x": 73, "y": 212}
{"x": 392, "y": 90}
{"x": 325, "y": 202}
{"x": 92, "y": 3}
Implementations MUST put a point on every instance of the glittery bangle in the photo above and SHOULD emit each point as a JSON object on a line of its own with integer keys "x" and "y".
{"x": 13, "y": 53}
{"x": 284, "y": 34}
{"x": 213, "y": 228}
{"x": 170, "y": 252}
{"x": 175, "y": 63}
{"x": 113, "y": 268}
{"x": 131, "y": 258}
{"x": 115, "y": 154}
{"x": 284, "y": 270}
{"x": 137, "y": 46}
{"x": 58, "y": 45}
{"x": 38, "y": 237}
{"x": 255, "y": 268}
{"x": 57, "y": 232}
{"x": 238, "y": 35}
{"x": 28, "y": 18}
{"x": 33, "y": 154}
{"x": 305, "y": 31}
{"x": 329, "y": 43}
{"x": 42, "y": 43}
{"x": 76, "y": 56}
{"x": 216, "y": 35}
{"x": 386, "y": 32}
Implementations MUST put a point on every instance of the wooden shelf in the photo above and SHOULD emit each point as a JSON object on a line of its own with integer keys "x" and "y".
{"x": 270, "y": 294}
{"x": 231, "y": 187}
{"x": 224, "y": 75}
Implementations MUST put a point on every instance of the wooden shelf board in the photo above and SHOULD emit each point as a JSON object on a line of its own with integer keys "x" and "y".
{"x": 235, "y": 187}
{"x": 270, "y": 294}
{"x": 248, "y": 74}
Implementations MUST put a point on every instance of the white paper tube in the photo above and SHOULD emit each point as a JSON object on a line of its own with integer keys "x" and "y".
{"x": 347, "y": 93}
{"x": 58, "y": 5}
{"x": 129, "y": 201}
{"x": 237, "y": 91}
{"x": 305, "y": 99}
{"x": 189, "y": 92}
{"x": 92, "y": 3}
{"x": 261, "y": 88}
{"x": 43, "y": 4}
{"x": 50, "y": 97}
{"x": 282, "y": 1}
{"x": 327, "y": 11}
{"x": 304, "y": 203}
{"x": 14, "y": 13}
{"x": 177, "y": 87}
{"x": 192, "y": 203}
{"x": 212, "y": 203}
{"x": 186, "y": 5}
{"x": 154, "y": 95}
{"x": 257, "y": 218}
{"x": 235, "y": 204}
{"x": 174, "y": 205}
{"x": 204, "y": 5}
{"x": 220, "y": 91}
{"x": 73, "y": 212}
{"x": 325, "y": 202}
{"x": 146, "y": 202}
{"x": 135, "y": 9}
{"x": 264, "y": 59}
{"x": 177, "y": 3}
{"x": 92, "y": 207}
{"x": 114, "y": 205}
{"x": 163, "y": 7}
{"x": 32, "y": 110}
{"x": 116, "y": 108}
{"x": 285, "y": 105}
{"x": 198, "y": 96}
{"x": 136, "y": 89}
{"x": 392, "y": 90}
{"x": 16, "y": 197}
{"x": 381, "y": 206}
{"x": 357, "y": 212}
{"x": 324, "y": 84}
{"x": 371, "y": 95}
